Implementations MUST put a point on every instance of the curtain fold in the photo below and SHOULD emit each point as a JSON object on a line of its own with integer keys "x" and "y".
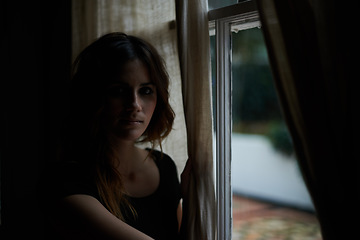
{"x": 194, "y": 52}
{"x": 152, "y": 20}
{"x": 312, "y": 65}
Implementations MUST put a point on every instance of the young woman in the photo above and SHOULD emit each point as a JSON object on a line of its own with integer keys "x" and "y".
{"x": 105, "y": 186}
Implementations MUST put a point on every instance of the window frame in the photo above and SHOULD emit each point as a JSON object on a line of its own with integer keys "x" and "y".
{"x": 236, "y": 17}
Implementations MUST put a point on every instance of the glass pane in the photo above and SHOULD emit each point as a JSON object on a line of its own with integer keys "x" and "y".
{"x": 270, "y": 200}
{"x": 214, "y": 4}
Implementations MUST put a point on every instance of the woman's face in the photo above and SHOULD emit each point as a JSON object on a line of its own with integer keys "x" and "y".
{"x": 131, "y": 102}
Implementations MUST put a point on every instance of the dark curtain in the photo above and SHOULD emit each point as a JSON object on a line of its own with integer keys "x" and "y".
{"x": 313, "y": 50}
{"x": 35, "y": 67}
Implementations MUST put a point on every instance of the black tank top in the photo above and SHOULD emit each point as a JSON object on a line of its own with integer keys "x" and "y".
{"x": 156, "y": 214}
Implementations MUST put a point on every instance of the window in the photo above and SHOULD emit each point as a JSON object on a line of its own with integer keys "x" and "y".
{"x": 255, "y": 164}
{"x": 214, "y": 4}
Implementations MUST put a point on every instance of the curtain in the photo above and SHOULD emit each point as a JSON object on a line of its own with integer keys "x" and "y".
{"x": 311, "y": 49}
{"x": 152, "y": 20}
{"x": 193, "y": 35}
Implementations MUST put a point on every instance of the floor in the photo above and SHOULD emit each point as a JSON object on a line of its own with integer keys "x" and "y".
{"x": 256, "y": 220}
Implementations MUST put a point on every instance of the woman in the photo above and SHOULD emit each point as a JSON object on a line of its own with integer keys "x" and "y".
{"x": 106, "y": 187}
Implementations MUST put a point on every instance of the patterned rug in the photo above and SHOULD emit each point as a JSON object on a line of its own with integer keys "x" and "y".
{"x": 275, "y": 228}
{"x": 255, "y": 220}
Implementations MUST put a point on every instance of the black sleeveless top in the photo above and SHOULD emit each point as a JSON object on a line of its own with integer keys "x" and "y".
{"x": 156, "y": 214}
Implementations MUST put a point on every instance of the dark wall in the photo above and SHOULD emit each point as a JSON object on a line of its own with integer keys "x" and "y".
{"x": 35, "y": 63}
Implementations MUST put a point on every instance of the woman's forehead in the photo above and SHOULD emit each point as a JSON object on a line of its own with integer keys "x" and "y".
{"x": 133, "y": 72}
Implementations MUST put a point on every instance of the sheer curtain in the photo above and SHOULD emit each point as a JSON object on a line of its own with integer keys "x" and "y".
{"x": 193, "y": 35}
{"x": 313, "y": 66}
{"x": 152, "y": 20}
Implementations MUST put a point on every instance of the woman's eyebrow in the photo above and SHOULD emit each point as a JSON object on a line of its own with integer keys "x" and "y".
{"x": 118, "y": 84}
{"x": 123, "y": 84}
{"x": 146, "y": 84}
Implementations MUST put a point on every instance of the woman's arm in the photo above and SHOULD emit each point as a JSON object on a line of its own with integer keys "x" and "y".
{"x": 179, "y": 215}
{"x": 84, "y": 217}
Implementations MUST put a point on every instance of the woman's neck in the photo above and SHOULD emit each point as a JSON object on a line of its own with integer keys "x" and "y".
{"x": 130, "y": 157}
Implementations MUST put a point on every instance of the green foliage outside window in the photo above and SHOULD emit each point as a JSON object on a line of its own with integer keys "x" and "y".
{"x": 255, "y": 106}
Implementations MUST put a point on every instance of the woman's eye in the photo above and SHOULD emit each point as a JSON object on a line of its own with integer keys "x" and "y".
{"x": 146, "y": 91}
{"x": 116, "y": 91}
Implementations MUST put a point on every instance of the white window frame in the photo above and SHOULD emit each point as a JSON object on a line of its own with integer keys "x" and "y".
{"x": 236, "y": 17}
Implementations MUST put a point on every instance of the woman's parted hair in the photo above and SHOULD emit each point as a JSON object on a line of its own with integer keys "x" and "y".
{"x": 94, "y": 71}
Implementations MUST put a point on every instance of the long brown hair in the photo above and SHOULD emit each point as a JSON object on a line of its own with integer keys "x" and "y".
{"x": 84, "y": 139}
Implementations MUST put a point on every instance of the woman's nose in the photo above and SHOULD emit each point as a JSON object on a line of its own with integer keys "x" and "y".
{"x": 134, "y": 103}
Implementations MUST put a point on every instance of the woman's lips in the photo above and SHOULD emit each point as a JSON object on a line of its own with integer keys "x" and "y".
{"x": 131, "y": 121}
